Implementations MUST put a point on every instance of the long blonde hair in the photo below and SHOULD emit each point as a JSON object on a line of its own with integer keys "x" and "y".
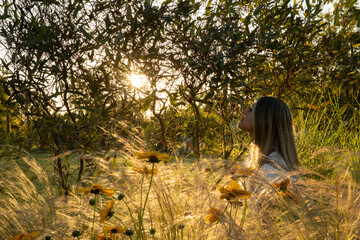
{"x": 273, "y": 131}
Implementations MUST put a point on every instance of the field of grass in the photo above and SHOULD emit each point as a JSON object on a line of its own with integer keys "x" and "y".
{"x": 181, "y": 199}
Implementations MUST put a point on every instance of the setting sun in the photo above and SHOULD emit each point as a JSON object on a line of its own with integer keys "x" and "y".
{"x": 137, "y": 80}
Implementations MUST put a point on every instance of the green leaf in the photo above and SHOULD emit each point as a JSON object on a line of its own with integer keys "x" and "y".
{"x": 86, "y": 34}
{"x": 336, "y": 17}
{"x": 351, "y": 3}
{"x": 111, "y": 106}
{"x": 257, "y": 10}
{"x": 308, "y": 5}
{"x": 117, "y": 39}
{"x": 6, "y": 89}
{"x": 13, "y": 57}
{"x": 90, "y": 109}
{"x": 166, "y": 2}
{"x": 5, "y": 65}
{"x": 78, "y": 8}
{"x": 247, "y": 19}
{"x": 146, "y": 105}
{"x": 208, "y": 8}
{"x": 76, "y": 92}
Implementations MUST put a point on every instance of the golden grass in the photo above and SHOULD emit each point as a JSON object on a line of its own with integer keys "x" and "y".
{"x": 179, "y": 198}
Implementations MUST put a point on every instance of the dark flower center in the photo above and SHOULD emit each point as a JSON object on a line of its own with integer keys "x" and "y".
{"x": 153, "y": 159}
{"x": 75, "y": 233}
{"x": 92, "y": 202}
{"x": 121, "y": 196}
{"x": 110, "y": 214}
{"x": 129, "y": 232}
{"x": 95, "y": 191}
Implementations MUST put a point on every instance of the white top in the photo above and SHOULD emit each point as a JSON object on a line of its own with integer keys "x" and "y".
{"x": 260, "y": 183}
{"x": 269, "y": 171}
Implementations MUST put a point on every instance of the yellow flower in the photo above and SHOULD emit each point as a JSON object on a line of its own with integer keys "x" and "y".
{"x": 236, "y": 202}
{"x": 23, "y": 236}
{"x": 289, "y": 195}
{"x": 144, "y": 170}
{"x": 107, "y": 211}
{"x": 284, "y": 192}
{"x": 309, "y": 106}
{"x": 96, "y": 189}
{"x": 233, "y": 191}
{"x": 282, "y": 186}
{"x": 213, "y": 215}
{"x": 238, "y": 171}
{"x": 103, "y": 237}
{"x": 113, "y": 229}
{"x": 153, "y": 157}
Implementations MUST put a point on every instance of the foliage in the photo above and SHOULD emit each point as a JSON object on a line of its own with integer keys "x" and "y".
{"x": 66, "y": 63}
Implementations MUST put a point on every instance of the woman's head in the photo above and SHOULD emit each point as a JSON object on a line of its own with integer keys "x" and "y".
{"x": 272, "y": 129}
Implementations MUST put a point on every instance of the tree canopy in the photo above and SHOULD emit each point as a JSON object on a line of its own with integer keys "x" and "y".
{"x": 66, "y": 64}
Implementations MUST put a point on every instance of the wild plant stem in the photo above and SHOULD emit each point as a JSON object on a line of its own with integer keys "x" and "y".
{"x": 105, "y": 231}
{"x": 142, "y": 212}
{"x": 141, "y": 189}
{"x": 93, "y": 220}
{"x": 243, "y": 214}
{"x": 245, "y": 208}
{"x": 120, "y": 221}
{"x": 230, "y": 220}
{"x": 236, "y": 210}
{"x": 131, "y": 215}
{"x": 147, "y": 195}
{"x": 222, "y": 214}
{"x": 139, "y": 214}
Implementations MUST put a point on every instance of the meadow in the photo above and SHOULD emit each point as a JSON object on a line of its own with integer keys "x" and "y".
{"x": 135, "y": 197}
{"x": 78, "y": 135}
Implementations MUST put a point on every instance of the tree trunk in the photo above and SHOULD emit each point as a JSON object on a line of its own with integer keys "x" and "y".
{"x": 197, "y": 129}
{"x": 62, "y": 177}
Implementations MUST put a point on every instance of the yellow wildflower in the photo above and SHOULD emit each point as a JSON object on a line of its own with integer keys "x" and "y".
{"x": 113, "y": 229}
{"x": 289, "y": 195}
{"x": 144, "y": 170}
{"x": 233, "y": 191}
{"x": 107, "y": 211}
{"x": 236, "y": 202}
{"x": 96, "y": 189}
{"x": 309, "y": 106}
{"x": 238, "y": 171}
{"x": 23, "y": 236}
{"x": 282, "y": 186}
{"x": 212, "y": 215}
{"x": 153, "y": 157}
{"x": 103, "y": 237}
{"x": 284, "y": 192}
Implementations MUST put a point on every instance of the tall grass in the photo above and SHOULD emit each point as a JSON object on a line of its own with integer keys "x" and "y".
{"x": 327, "y": 205}
{"x": 328, "y": 137}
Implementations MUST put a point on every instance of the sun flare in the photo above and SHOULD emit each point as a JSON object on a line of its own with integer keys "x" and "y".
{"x": 137, "y": 80}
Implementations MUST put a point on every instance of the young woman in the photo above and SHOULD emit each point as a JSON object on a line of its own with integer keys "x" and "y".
{"x": 270, "y": 125}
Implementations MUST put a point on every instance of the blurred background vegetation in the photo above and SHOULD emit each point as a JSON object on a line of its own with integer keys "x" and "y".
{"x": 65, "y": 68}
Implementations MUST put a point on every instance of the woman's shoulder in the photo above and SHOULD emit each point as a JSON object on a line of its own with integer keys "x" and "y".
{"x": 278, "y": 159}
{"x": 278, "y": 169}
